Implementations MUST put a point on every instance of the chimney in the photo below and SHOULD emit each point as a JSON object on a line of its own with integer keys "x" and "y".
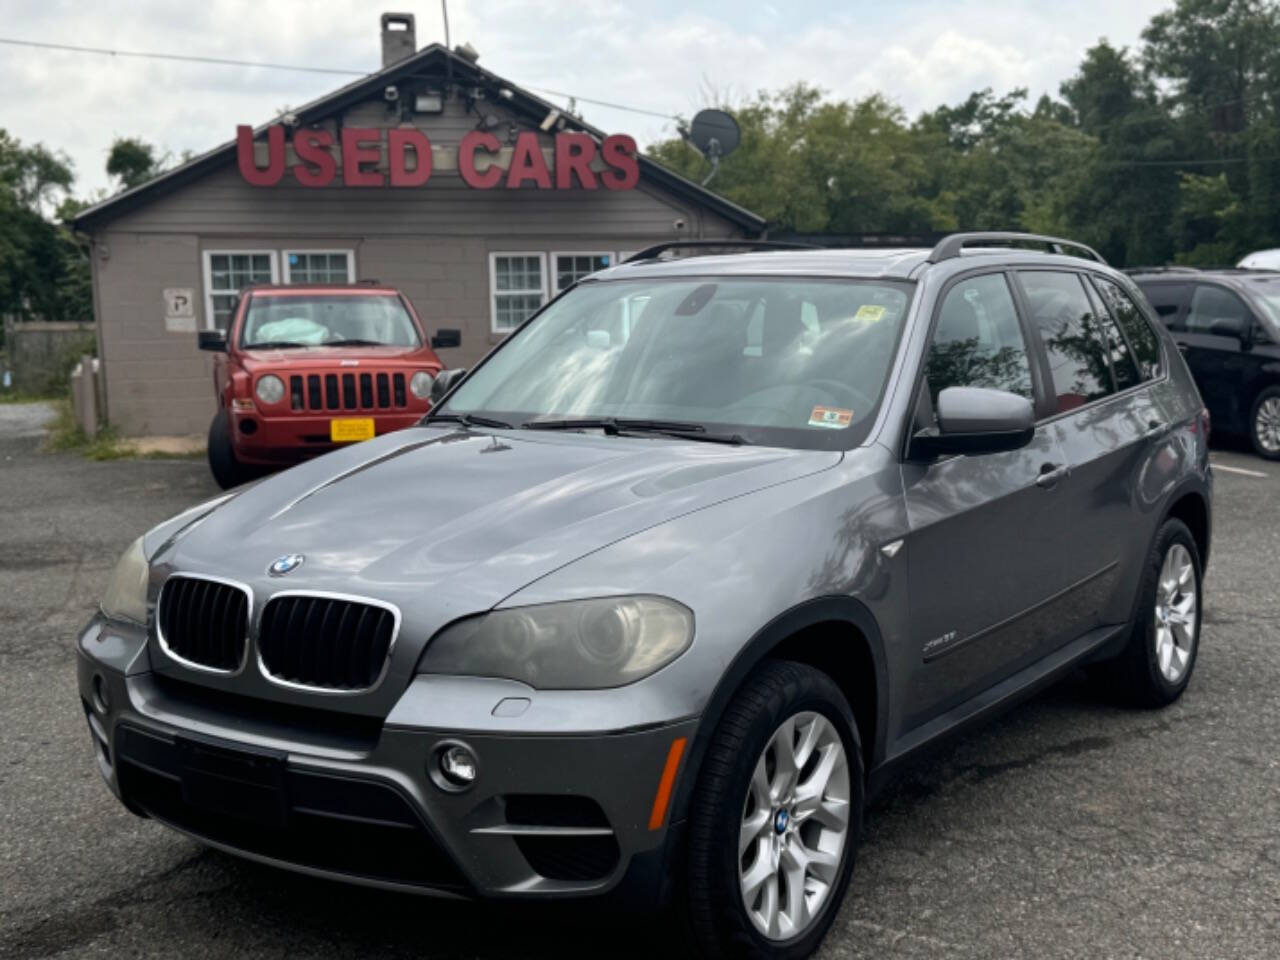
{"x": 398, "y": 39}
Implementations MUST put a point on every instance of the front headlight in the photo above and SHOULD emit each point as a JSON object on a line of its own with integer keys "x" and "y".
{"x": 420, "y": 384}
{"x": 126, "y": 596}
{"x": 270, "y": 389}
{"x": 577, "y": 645}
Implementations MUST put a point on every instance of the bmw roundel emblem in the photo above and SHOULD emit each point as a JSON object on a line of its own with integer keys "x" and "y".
{"x": 286, "y": 564}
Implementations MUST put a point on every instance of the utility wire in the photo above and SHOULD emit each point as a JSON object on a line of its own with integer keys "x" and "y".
{"x": 227, "y": 62}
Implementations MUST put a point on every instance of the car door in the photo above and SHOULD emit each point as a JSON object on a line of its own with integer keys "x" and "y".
{"x": 1212, "y": 337}
{"x": 1103, "y": 416}
{"x": 984, "y": 529}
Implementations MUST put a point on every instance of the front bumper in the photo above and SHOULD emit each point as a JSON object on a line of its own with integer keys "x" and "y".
{"x": 291, "y": 438}
{"x": 352, "y": 798}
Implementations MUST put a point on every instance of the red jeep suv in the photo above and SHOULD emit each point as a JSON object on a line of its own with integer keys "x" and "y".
{"x": 302, "y": 369}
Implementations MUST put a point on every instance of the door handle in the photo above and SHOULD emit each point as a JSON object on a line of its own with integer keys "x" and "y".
{"x": 1050, "y": 474}
{"x": 1182, "y": 345}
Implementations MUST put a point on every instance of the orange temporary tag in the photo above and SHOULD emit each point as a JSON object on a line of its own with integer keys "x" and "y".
{"x": 833, "y": 417}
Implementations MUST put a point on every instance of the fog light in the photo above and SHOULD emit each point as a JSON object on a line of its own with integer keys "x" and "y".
{"x": 458, "y": 764}
{"x": 101, "y": 698}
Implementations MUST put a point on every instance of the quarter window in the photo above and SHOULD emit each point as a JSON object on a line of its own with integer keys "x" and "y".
{"x": 226, "y": 273}
{"x": 1064, "y": 317}
{"x": 517, "y": 288}
{"x": 572, "y": 267}
{"x": 978, "y": 342}
{"x": 1217, "y": 312}
{"x": 1137, "y": 331}
{"x": 319, "y": 266}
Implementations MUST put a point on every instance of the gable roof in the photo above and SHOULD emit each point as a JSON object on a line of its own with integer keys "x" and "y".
{"x": 446, "y": 64}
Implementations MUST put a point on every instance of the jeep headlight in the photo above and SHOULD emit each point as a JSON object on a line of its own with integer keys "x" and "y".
{"x": 126, "y": 596}
{"x": 270, "y": 389}
{"x": 575, "y": 645}
{"x": 420, "y": 384}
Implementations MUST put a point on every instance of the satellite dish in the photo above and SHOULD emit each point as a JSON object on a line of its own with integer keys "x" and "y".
{"x": 715, "y": 133}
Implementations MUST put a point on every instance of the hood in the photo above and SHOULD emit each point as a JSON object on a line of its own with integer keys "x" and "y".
{"x": 311, "y": 357}
{"x": 453, "y": 521}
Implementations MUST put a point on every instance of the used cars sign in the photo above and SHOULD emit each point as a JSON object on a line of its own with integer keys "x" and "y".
{"x": 577, "y": 161}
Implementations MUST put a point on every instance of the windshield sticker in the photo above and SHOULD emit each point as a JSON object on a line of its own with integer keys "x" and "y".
{"x": 836, "y": 418}
{"x": 869, "y": 313}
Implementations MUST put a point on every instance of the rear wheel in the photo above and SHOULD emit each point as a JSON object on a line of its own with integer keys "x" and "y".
{"x": 1264, "y": 424}
{"x": 776, "y": 818}
{"x": 227, "y": 470}
{"x": 1156, "y": 665}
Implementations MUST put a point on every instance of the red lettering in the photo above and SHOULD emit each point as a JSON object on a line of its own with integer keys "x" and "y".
{"x": 355, "y": 153}
{"x": 318, "y": 167}
{"x": 619, "y": 152}
{"x": 527, "y": 163}
{"x": 574, "y": 153}
{"x": 398, "y": 141}
{"x": 249, "y": 168}
{"x": 467, "y": 160}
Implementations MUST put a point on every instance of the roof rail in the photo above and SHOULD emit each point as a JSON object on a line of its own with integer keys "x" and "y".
{"x": 952, "y": 246}
{"x": 651, "y": 253}
{"x": 1134, "y": 271}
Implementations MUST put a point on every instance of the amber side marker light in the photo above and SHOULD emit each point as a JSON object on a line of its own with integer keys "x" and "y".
{"x": 662, "y": 799}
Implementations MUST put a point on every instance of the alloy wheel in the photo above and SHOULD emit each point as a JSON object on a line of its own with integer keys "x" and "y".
{"x": 1266, "y": 425}
{"x": 1175, "y": 622}
{"x": 795, "y": 826}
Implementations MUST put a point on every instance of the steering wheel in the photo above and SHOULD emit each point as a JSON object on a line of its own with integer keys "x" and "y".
{"x": 861, "y": 401}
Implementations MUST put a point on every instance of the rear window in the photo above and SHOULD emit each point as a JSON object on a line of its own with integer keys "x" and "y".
{"x": 328, "y": 320}
{"x": 1142, "y": 340}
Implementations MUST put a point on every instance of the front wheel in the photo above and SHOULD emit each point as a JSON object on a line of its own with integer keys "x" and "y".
{"x": 776, "y": 818}
{"x": 1264, "y": 424}
{"x": 227, "y": 470}
{"x": 1156, "y": 664}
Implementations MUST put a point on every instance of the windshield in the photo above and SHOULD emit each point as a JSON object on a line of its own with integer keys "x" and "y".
{"x": 787, "y": 362}
{"x": 333, "y": 320}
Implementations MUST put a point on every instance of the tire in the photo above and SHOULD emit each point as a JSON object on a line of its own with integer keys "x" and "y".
{"x": 227, "y": 470}
{"x": 713, "y": 897}
{"x": 1149, "y": 672}
{"x": 1264, "y": 424}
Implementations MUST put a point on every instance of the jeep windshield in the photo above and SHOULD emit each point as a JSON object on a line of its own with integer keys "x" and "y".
{"x": 327, "y": 320}
{"x": 782, "y": 362}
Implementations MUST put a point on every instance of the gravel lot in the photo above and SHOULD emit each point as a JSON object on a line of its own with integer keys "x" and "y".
{"x": 1069, "y": 828}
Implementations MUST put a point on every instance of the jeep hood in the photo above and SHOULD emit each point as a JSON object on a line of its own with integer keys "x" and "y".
{"x": 461, "y": 520}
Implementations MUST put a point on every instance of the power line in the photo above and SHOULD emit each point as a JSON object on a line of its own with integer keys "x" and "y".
{"x": 228, "y": 62}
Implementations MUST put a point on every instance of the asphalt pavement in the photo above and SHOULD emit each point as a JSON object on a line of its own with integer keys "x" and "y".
{"x": 1068, "y": 828}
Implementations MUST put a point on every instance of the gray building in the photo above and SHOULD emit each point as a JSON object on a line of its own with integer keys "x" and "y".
{"x": 478, "y": 199}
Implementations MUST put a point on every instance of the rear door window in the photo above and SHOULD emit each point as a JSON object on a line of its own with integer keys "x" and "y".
{"x": 1064, "y": 317}
{"x": 1123, "y": 367}
{"x": 1143, "y": 342}
{"x": 978, "y": 341}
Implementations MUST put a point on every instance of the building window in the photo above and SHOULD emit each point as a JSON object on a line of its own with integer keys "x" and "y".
{"x": 319, "y": 266}
{"x": 517, "y": 287}
{"x": 572, "y": 267}
{"x": 226, "y": 273}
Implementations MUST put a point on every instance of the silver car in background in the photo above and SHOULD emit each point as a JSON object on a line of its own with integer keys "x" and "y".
{"x": 669, "y": 583}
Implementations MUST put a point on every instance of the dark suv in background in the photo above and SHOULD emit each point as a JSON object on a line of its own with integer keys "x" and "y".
{"x": 1227, "y": 325}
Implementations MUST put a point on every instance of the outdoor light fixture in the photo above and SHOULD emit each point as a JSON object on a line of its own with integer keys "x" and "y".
{"x": 429, "y": 101}
{"x": 549, "y": 120}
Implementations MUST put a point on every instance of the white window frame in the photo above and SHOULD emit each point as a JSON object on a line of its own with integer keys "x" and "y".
{"x": 208, "y": 255}
{"x": 554, "y": 279}
{"x": 493, "y": 284}
{"x": 350, "y": 255}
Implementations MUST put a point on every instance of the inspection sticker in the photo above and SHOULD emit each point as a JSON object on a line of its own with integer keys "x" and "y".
{"x": 869, "y": 313}
{"x": 834, "y": 417}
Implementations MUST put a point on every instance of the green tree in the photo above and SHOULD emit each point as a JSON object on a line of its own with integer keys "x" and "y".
{"x": 133, "y": 161}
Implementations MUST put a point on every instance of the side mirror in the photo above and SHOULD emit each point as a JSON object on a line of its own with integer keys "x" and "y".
{"x": 977, "y": 420}
{"x": 214, "y": 340}
{"x": 443, "y": 339}
{"x": 445, "y": 381}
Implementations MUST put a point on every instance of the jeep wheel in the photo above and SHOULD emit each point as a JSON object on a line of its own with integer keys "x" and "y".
{"x": 227, "y": 470}
{"x": 776, "y": 818}
{"x": 1264, "y": 424}
{"x": 1156, "y": 665}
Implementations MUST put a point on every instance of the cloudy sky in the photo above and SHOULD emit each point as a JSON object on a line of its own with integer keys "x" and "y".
{"x": 660, "y": 55}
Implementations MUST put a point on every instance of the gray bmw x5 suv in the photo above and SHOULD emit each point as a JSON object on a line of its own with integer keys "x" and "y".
{"x": 664, "y": 588}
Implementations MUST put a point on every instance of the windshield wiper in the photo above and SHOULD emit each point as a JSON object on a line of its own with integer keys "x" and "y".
{"x": 276, "y": 345}
{"x": 352, "y": 343}
{"x": 614, "y": 426}
{"x": 468, "y": 420}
